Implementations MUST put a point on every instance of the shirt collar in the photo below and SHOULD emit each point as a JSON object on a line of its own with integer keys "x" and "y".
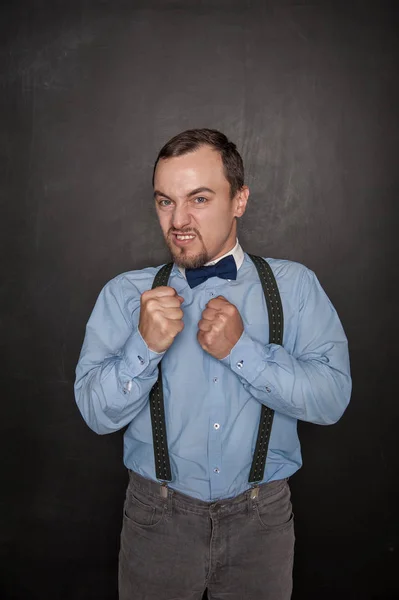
{"x": 237, "y": 253}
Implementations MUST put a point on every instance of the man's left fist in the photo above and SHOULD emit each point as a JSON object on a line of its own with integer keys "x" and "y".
{"x": 220, "y": 328}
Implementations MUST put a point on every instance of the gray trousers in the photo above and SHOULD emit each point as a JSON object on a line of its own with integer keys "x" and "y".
{"x": 173, "y": 547}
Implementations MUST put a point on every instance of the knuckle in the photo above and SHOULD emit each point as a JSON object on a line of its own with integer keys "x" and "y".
{"x": 162, "y": 326}
{"x": 151, "y": 304}
{"x": 208, "y": 338}
{"x": 158, "y": 318}
{"x": 145, "y": 295}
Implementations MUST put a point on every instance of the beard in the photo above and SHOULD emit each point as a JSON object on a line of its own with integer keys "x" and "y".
{"x": 181, "y": 256}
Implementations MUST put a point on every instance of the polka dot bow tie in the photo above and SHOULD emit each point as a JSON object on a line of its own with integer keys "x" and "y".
{"x": 225, "y": 268}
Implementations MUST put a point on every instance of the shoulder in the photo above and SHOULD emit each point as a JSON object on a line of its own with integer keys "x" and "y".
{"x": 294, "y": 280}
{"x": 287, "y": 270}
{"x": 133, "y": 282}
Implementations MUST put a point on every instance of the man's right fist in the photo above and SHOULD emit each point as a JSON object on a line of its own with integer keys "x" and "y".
{"x": 161, "y": 317}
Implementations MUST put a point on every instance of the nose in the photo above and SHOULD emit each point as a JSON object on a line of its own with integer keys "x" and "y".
{"x": 181, "y": 217}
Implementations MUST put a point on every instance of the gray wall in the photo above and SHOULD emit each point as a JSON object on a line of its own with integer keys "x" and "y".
{"x": 90, "y": 91}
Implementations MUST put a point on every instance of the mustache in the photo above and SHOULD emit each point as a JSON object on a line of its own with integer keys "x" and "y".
{"x": 184, "y": 231}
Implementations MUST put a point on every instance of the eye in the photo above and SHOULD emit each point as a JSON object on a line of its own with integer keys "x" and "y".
{"x": 164, "y": 202}
{"x": 200, "y": 200}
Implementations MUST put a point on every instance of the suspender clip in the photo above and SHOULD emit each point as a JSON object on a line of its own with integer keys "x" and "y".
{"x": 163, "y": 490}
{"x": 255, "y": 492}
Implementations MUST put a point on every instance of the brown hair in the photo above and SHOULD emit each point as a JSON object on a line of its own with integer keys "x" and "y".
{"x": 192, "y": 139}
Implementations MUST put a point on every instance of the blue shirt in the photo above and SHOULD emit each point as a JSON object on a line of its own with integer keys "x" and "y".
{"x": 212, "y": 407}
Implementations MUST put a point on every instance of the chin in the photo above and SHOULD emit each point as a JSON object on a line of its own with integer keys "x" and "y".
{"x": 189, "y": 261}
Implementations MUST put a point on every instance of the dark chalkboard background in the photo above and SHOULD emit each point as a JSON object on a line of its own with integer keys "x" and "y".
{"x": 89, "y": 93}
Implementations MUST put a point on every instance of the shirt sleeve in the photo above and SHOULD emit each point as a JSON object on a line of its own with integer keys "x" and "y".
{"x": 116, "y": 369}
{"x": 311, "y": 384}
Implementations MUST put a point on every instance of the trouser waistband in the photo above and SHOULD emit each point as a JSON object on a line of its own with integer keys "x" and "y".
{"x": 156, "y": 489}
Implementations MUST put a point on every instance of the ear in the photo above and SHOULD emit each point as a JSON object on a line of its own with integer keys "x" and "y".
{"x": 240, "y": 201}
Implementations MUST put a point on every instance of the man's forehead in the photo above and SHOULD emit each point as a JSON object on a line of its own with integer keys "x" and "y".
{"x": 202, "y": 167}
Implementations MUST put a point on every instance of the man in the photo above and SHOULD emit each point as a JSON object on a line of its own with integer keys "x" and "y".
{"x": 197, "y": 515}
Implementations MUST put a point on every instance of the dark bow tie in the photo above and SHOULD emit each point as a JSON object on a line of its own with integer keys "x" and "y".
{"x": 225, "y": 268}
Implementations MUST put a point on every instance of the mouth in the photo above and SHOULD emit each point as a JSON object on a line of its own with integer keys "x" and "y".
{"x": 183, "y": 239}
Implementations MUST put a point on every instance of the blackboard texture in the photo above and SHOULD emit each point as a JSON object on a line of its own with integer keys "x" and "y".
{"x": 89, "y": 93}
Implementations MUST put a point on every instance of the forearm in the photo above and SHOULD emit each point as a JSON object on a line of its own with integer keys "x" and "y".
{"x": 315, "y": 387}
{"x": 111, "y": 393}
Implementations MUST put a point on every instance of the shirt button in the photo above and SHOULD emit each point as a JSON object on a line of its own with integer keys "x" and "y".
{"x": 216, "y": 470}
{"x": 128, "y": 387}
{"x": 141, "y": 360}
{"x": 215, "y": 380}
{"x": 239, "y": 364}
{"x": 216, "y": 426}
{"x": 268, "y": 389}
{"x": 211, "y": 293}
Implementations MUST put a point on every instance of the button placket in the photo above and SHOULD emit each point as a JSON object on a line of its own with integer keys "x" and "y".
{"x": 215, "y": 452}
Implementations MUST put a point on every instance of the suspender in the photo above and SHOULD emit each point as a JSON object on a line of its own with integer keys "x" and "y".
{"x": 276, "y": 325}
{"x": 160, "y": 441}
{"x": 276, "y": 328}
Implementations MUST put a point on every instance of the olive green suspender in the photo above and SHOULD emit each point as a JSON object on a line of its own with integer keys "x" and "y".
{"x": 276, "y": 325}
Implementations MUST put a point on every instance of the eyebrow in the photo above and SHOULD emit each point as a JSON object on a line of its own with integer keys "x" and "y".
{"x": 192, "y": 193}
{"x": 200, "y": 190}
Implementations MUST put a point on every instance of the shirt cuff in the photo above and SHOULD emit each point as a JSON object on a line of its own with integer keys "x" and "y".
{"x": 141, "y": 361}
{"x": 247, "y": 358}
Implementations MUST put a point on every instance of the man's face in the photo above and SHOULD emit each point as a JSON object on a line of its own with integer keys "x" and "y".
{"x": 195, "y": 208}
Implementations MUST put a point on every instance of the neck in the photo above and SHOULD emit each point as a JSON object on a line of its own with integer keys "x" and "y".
{"x": 229, "y": 245}
{"x": 226, "y": 250}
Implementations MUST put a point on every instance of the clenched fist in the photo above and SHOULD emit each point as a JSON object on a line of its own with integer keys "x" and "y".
{"x": 161, "y": 317}
{"x": 220, "y": 328}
